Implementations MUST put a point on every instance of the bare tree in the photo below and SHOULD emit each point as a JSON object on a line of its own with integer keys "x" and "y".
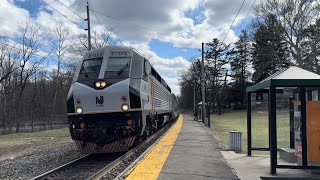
{"x": 7, "y": 65}
{"x": 294, "y": 16}
{"x": 98, "y": 40}
{"x": 58, "y": 42}
{"x": 28, "y": 38}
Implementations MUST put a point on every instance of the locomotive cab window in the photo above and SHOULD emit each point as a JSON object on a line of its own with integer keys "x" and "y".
{"x": 118, "y": 68}
{"x": 90, "y": 69}
{"x": 117, "y": 64}
{"x": 91, "y": 66}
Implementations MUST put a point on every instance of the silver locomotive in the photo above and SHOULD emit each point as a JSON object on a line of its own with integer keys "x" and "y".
{"x": 116, "y": 100}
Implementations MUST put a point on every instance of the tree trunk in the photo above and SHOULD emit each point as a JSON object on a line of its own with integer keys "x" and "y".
{"x": 54, "y": 105}
{"x": 18, "y": 114}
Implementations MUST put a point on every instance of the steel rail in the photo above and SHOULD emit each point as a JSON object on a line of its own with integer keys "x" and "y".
{"x": 60, "y": 167}
{"x": 154, "y": 137}
{"x": 111, "y": 164}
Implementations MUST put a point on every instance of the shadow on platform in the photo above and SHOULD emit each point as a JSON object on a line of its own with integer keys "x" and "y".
{"x": 258, "y": 167}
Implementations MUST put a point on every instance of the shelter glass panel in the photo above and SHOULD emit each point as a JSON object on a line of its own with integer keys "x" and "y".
{"x": 259, "y": 123}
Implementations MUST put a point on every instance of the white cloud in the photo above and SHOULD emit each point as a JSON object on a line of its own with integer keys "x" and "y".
{"x": 48, "y": 17}
{"x": 10, "y": 16}
{"x": 141, "y": 20}
{"x": 173, "y": 84}
{"x": 137, "y": 22}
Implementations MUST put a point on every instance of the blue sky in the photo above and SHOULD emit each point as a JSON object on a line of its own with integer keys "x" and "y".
{"x": 161, "y": 48}
{"x": 169, "y": 33}
{"x": 32, "y": 6}
{"x": 167, "y": 50}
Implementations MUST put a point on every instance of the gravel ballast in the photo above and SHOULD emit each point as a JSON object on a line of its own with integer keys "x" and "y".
{"x": 38, "y": 161}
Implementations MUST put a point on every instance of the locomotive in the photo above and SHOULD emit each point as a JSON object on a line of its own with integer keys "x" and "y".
{"x": 116, "y": 100}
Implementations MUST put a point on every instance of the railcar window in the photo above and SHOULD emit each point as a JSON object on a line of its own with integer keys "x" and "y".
{"x": 153, "y": 72}
{"x": 91, "y": 66}
{"x": 117, "y": 64}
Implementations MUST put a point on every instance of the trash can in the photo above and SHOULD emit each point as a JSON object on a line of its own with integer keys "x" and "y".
{"x": 235, "y": 141}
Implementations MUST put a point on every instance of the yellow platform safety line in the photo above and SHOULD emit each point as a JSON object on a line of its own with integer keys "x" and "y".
{"x": 150, "y": 166}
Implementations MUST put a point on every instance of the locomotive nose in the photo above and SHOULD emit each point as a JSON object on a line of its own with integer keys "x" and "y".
{"x": 109, "y": 99}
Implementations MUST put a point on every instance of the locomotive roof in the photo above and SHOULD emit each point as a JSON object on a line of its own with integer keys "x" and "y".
{"x": 115, "y": 47}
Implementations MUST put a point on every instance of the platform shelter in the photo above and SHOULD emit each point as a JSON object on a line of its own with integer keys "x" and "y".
{"x": 306, "y": 122}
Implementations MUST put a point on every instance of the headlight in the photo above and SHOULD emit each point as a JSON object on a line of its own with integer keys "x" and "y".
{"x": 100, "y": 84}
{"x": 97, "y": 84}
{"x": 103, "y": 84}
{"x": 79, "y": 110}
{"x": 125, "y": 107}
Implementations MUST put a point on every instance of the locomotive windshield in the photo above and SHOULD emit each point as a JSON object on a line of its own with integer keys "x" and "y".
{"x": 91, "y": 66}
{"x": 90, "y": 69}
{"x": 117, "y": 64}
{"x": 118, "y": 68}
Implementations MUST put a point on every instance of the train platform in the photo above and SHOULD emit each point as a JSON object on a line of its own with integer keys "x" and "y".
{"x": 186, "y": 151}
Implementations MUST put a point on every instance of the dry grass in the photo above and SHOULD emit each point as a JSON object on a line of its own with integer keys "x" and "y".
{"x": 237, "y": 120}
{"x": 13, "y": 145}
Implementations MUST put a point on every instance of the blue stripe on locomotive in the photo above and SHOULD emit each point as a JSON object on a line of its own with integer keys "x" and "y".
{"x": 158, "y": 102}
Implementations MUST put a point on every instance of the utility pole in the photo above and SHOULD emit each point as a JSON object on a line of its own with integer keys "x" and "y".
{"x": 194, "y": 97}
{"x": 202, "y": 88}
{"x": 88, "y": 29}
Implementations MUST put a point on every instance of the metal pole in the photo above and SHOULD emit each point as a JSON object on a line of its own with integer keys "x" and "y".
{"x": 249, "y": 125}
{"x": 88, "y": 29}
{"x": 304, "y": 127}
{"x": 202, "y": 87}
{"x": 291, "y": 123}
{"x": 194, "y": 97}
{"x": 273, "y": 130}
{"x": 209, "y": 121}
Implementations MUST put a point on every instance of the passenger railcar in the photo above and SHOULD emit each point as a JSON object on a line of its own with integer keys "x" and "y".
{"x": 116, "y": 99}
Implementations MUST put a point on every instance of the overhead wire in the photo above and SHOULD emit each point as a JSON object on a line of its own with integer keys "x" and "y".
{"x": 70, "y": 9}
{"x": 94, "y": 13}
{"x": 124, "y": 21}
{"x": 233, "y": 21}
{"x": 62, "y": 14}
{"x": 247, "y": 15}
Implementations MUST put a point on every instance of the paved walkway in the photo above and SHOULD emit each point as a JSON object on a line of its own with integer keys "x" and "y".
{"x": 187, "y": 151}
{"x": 195, "y": 155}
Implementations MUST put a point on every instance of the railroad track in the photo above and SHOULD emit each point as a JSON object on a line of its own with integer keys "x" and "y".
{"x": 81, "y": 168}
{"x": 104, "y": 166}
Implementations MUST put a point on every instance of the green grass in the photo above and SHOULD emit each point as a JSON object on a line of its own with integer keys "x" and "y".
{"x": 237, "y": 120}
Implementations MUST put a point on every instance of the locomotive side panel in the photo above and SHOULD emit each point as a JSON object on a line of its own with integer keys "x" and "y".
{"x": 161, "y": 98}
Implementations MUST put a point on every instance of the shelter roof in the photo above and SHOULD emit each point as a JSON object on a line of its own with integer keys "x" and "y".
{"x": 291, "y": 77}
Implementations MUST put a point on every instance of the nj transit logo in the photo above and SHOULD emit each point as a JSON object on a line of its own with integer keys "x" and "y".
{"x": 99, "y": 101}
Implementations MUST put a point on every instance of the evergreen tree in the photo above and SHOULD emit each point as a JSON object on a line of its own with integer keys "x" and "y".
{"x": 270, "y": 50}
{"x": 311, "y": 44}
{"x": 217, "y": 56}
{"x": 240, "y": 63}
